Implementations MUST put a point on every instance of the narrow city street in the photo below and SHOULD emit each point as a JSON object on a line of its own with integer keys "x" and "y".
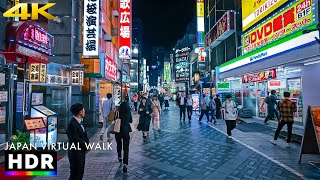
{"x": 193, "y": 150}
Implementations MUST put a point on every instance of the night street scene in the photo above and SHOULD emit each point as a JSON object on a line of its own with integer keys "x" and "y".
{"x": 159, "y": 89}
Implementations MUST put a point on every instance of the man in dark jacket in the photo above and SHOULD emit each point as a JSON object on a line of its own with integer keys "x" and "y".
{"x": 77, "y": 135}
{"x": 218, "y": 106}
{"x": 271, "y": 101}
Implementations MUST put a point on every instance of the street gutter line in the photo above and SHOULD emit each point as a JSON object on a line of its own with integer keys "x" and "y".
{"x": 261, "y": 153}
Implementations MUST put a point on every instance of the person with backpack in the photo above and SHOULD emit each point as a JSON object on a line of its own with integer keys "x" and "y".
{"x": 212, "y": 108}
{"x": 204, "y": 108}
{"x": 287, "y": 108}
{"x": 271, "y": 102}
{"x": 108, "y": 111}
{"x": 230, "y": 114}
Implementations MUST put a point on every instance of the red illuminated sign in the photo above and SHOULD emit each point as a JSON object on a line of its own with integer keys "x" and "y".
{"x": 111, "y": 68}
{"x": 201, "y": 58}
{"x": 258, "y": 77}
{"x": 125, "y": 29}
{"x": 275, "y": 83}
{"x": 221, "y": 30}
{"x": 38, "y": 36}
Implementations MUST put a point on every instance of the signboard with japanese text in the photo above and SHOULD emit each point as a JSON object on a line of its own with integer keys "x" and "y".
{"x": 258, "y": 77}
{"x": 111, "y": 68}
{"x": 221, "y": 30}
{"x": 167, "y": 72}
{"x": 255, "y": 10}
{"x": 200, "y": 21}
{"x": 125, "y": 29}
{"x": 201, "y": 57}
{"x": 91, "y": 15}
{"x": 77, "y": 77}
{"x": 294, "y": 18}
{"x": 181, "y": 65}
{"x": 37, "y": 72}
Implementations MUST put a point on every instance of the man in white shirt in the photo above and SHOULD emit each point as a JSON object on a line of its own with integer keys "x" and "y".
{"x": 107, "y": 107}
{"x": 182, "y": 106}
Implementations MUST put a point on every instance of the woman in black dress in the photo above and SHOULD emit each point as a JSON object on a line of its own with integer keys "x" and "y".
{"x": 145, "y": 111}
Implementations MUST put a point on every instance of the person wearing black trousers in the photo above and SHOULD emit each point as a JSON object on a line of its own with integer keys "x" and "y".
{"x": 123, "y": 138}
{"x": 77, "y": 135}
{"x": 189, "y": 106}
{"x": 218, "y": 106}
{"x": 182, "y": 101}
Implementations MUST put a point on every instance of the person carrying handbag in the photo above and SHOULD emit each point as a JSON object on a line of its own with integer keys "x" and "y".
{"x": 108, "y": 112}
{"x": 156, "y": 111}
{"x": 123, "y": 137}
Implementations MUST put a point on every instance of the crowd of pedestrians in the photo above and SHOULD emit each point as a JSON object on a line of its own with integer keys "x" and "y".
{"x": 149, "y": 111}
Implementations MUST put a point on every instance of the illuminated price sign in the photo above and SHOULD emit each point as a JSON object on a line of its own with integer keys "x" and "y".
{"x": 37, "y": 72}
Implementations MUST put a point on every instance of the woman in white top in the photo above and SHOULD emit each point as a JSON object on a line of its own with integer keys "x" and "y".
{"x": 189, "y": 106}
{"x": 230, "y": 113}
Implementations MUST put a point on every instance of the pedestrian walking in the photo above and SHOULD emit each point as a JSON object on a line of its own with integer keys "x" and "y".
{"x": 135, "y": 98}
{"x": 271, "y": 102}
{"x": 212, "y": 108}
{"x": 189, "y": 106}
{"x": 287, "y": 108}
{"x": 108, "y": 109}
{"x": 123, "y": 137}
{"x": 182, "y": 101}
{"x": 145, "y": 111}
{"x": 166, "y": 101}
{"x": 204, "y": 108}
{"x": 178, "y": 99}
{"x": 161, "y": 100}
{"x": 156, "y": 111}
{"x": 217, "y": 100}
{"x": 230, "y": 114}
{"x": 77, "y": 135}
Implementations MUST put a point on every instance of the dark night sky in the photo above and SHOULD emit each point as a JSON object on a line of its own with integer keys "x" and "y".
{"x": 164, "y": 21}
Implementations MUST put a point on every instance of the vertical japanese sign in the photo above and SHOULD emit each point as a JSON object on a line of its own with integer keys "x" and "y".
{"x": 125, "y": 29}
{"x": 167, "y": 72}
{"x": 37, "y": 72}
{"x": 91, "y": 28}
{"x": 200, "y": 21}
{"x": 77, "y": 77}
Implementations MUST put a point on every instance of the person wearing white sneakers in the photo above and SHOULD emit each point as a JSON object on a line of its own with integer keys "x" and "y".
{"x": 287, "y": 108}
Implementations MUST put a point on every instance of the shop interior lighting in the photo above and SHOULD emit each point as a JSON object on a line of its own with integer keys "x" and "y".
{"x": 197, "y": 50}
{"x": 310, "y": 63}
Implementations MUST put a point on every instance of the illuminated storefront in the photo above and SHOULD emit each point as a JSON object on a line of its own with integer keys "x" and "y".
{"x": 283, "y": 58}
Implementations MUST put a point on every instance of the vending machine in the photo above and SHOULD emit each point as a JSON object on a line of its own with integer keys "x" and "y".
{"x": 47, "y": 135}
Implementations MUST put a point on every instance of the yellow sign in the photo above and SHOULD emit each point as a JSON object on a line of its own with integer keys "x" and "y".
{"x": 37, "y": 72}
{"x": 254, "y": 10}
{"x": 200, "y": 9}
{"x": 293, "y": 18}
{"x": 35, "y": 11}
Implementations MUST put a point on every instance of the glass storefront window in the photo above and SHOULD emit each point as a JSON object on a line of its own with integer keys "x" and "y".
{"x": 294, "y": 87}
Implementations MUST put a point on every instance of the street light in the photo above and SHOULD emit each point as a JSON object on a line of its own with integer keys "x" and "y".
{"x": 204, "y": 54}
{"x": 135, "y": 50}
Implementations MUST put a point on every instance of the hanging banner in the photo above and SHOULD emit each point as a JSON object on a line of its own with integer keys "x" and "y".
{"x": 125, "y": 29}
{"x": 200, "y": 21}
{"x": 91, "y": 27}
{"x": 295, "y": 17}
{"x": 258, "y": 77}
{"x": 167, "y": 72}
{"x": 111, "y": 68}
{"x": 255, "y": 10}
